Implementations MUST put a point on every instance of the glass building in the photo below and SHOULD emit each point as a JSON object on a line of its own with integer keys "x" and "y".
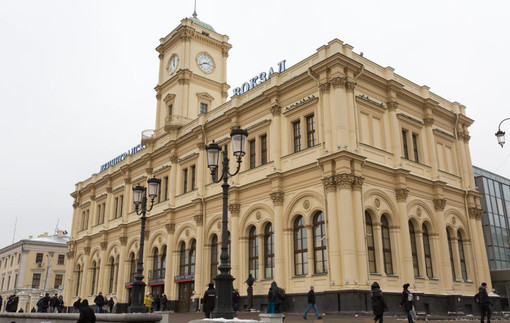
{"x": 496, "y": 230}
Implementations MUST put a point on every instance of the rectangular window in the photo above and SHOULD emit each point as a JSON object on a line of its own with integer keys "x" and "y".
{"x": 193, "y": 178}
{"x": 252, "y": 154}
{"x": 36, "y": 280}
{"x": 58, "y": 281}
{"x": 99, "y": 214}
{"x": 296, "y": 129}
{"x": 170, "y": 110}
{"x": 121, "y": 203}
{"x": 165, "y": 188}
{"x": 415, "y": 147}
{"x": 3, "y": 279}
{"x": 310, "y": 130}
{"x": 9, "y": 283}
{"x": 404, "y": 141}
{"x": 61, "y": 259}
{"x": 203, "y": 108}
{"x": 263, "y": 149}
{"x": 39, "y": 257}
{"x": 185, "y": 180}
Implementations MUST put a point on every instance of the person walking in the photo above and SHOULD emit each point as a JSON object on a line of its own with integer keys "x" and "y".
{"x": 311, "y": 304}
{"x": 76, "y": 305}
{"x": 485, "y": 304}
{"x": 378, "y": 304}
{"x": 407, "y": 302}
{"x": 164, "y": 300}
{"x": 209, "y": 300}
{"x": 270, "y": 304}
{"x": 99, "y": 301}
{"x": 235, "y": 300}
{"x": 86, "y": 313}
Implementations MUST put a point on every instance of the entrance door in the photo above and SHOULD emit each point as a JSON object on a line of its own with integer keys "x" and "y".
{"x": 185, "y": 289}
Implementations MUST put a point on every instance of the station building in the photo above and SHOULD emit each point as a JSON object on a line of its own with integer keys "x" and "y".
{"x": 353, "y": 174}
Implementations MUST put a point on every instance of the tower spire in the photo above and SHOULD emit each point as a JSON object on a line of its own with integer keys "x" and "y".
{"x": 195, "y": 10}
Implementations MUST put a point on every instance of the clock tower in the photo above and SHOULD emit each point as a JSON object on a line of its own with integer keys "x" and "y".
{"x": 192, "y": 73}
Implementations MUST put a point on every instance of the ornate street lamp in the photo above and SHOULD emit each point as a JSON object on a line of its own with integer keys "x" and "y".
{"x": 224, "y": 280}
{"x": 140, "y": 199}
{"x": 501, "y": 134}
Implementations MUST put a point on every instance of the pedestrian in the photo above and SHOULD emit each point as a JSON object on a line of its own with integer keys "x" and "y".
{"x": 407, "y": 302}
{"x": 311, "y": 304}
{"x": 60, "y": 305}
{"x": 278, "y": 296}
{"x": 485, "y": 304}
{"x": 99, "y": 301}
{"x": 164, "y": 300}
{"x": 76, "y": 305}
{"x": 45, "y": 303}
{"x": 157, "y": 302}
{"x": 270, "y": 304}
{"x": 33, "y": 310}
{"x": 53, "y": 303}
{"x": 110, "y": 304}
{"x": 378, "y": 304}
{"x": 1, "y": 302}
{"x": 10, "y": 299}
{"x": 86, "y": 313}
{"x": 21, "y": 311}
{"x": 235, "y": 300}
{"x": 147, "y": 302}
{"x": 209, "y": 300}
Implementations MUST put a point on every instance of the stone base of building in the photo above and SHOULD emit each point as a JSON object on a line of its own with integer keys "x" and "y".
{"x": 72, "y": 318}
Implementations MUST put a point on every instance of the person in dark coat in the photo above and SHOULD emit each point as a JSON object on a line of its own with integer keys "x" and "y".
{"x": 277, "y": 296}
{"x": 110, "y": 304}
{"x": 209, "y": 300}
{"x": 235, "y": 300}
{"x": 485, "y": 304}
{"x": 407, "y": 302}
{"x": 53, "y": 303}
{"x": 311, "y": 304}
{"x": 157, "y": 302}
{"x": 1, "y": 302}
{"x": 99, "y": 301}
{"x": 164, "y": 300}
{"x": 33, "y": 310}
{"x": 45, "y": 303}
{"x": 60, "y": 305}
{"x": 86, "y": 313}
{"x": 378, "y": 303}
{"x": 76, "y": 305}
{"x": 8, "y": 304}
{"x": 270, "y": 304}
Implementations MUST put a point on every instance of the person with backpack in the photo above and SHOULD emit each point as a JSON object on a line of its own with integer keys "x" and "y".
{"x": 378, "y": 304}
{"x": 407, "y": 302}
{"x": 484, "y": 302}
{"x": 278, "y": 296}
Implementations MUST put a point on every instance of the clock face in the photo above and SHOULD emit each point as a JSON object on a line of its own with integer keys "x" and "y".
{"x": 174, "y": 61}
{"x": 205, "y": 63}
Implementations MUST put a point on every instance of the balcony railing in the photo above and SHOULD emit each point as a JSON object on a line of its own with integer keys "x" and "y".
{"x": 175, "y": 122}
{"x": 157, "y": 274}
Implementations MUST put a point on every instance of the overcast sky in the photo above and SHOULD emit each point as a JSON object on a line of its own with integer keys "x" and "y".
{"x": 77, "y": 78}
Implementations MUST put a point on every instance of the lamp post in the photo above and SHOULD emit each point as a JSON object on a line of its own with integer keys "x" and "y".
{"x": 224, "y": 280}
{"x": 140, "y": 199}
{"x": 501, "y": 134}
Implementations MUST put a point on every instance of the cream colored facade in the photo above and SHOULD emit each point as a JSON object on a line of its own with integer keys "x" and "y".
{"x": 335, "y": 134}
{"x": 32, "y": 267}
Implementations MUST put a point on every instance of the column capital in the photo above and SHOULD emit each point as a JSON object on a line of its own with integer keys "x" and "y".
{"x": 123, "y": 240}
{"x": 200, "y": 145}
{"x": 401, "y": 194}
{"x": 344, "y": 181}
{"x": 170, "y": 227}
{"x": 357, "y": 183}
{"x": 147, "y": 234}
{"x": 392, "y": 105}
{"x": 70, "y": 254}
{"x": 87, "y": 250}
{"x": 324, "y": 87}
{"x": 174, "y": 159}
{"x": 429, "y": 121}
{"x": 104, "y": 245}
{"x": 439, "y": 204}
{"x": 350, "y": 85}
{"x": 338, "y": 82}
{"x": 199, "y": 219}
{"x": 234, "y": 208}
{"x": 475, "y": 213}
{"x": 277, "y": 198}
{"x": 329, "y": 184}
{"x": 275, "y": 109}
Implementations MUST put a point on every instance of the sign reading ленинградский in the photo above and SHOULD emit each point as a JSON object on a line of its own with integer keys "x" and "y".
{"x": 258, "y": 79}
{"x": 123, "y": 156}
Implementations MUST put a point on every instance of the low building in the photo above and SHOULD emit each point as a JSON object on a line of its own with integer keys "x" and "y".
{"x": 496, "y": 228}
{"x": 353, "y": 174}
{"x": 32, "y": 267}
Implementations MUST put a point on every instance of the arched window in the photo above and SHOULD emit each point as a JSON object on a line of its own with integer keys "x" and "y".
{"x": 94, "y": 278}
{"x": 268, "y": 251}
{"x": 427, "y": 251}
{"x": 112, "y": 275}
{"x": 414, "y": 250}
{"x": 372, "y": 264}
{"x": 78, "y": 278}
{"x": 386, "y": 245}
{"x": 300, "y": 247}
{"x": 183, "y": 260}
{"x": 319, "y": 244}
{"x": 132, "y": 267}
{"x": 253, "y": 253}
{"x": 214, "y": 257}
{"x": 462, "y": 257}
{"x": 192, "y": 257}
{"x": 155, "y": 260}
{"x": 450, "y": 250}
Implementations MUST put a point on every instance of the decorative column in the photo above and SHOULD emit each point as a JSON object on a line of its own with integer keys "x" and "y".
{"x": 396, "y": 147}
{"x": 333, "y": 231}
{"x": 109, "y": 205}
{"x": 244, "y": 246}
{"x": 172, "y": 181}
{"x": 275, "y": 136}
{"x": 279, "y": 253}
{"x": 456, "y": 258}
{"x": 379, "y": 254}
{"x": 325, "y": 102}
{"x": 352, "y": 127}
{"x": 339, "y": 112}
{"x": 103, "y": 273}
{"x": 361, "y": 248}
{"x": 407, "y": 256}
{"x": 431, "y": 145}
{"x": 68, "y": 282}
{"x": 444, "y": 253}
{"x": 309, "y": 246}
{"x": 200, "y": 275}
{"x": 470, "y": 180}
{"x": 122, "y": 279}
{"x": 234, "y": 209}
{"x": 126, "y": 199}
{"x": 475, "y": 215}
{"x": 346, "y": 228}
{"x": 171, "y": 264}
{"x": 86, "y": 281}
{"x": 421, "y": 252}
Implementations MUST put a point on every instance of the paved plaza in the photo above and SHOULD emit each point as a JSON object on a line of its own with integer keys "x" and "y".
{"x": 295, "y": 318}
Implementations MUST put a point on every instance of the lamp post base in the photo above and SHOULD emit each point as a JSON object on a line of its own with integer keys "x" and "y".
{"x": 224, "y": 287}
{"x": 137, "y": 296}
